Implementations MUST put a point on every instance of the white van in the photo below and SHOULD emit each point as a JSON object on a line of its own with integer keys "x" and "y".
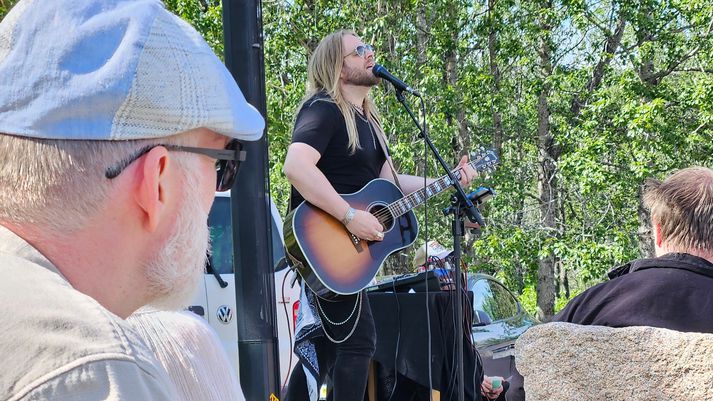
{"x": 217, "y": 304}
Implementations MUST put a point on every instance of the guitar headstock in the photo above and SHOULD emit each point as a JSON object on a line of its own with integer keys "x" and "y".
{"x": 484, "y": 160}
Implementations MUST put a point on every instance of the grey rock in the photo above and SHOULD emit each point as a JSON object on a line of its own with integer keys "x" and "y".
{"x": 563, "y": 361}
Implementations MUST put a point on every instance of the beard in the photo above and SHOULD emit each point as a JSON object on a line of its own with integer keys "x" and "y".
{"x": 359, "y": 77}
{"x": 174, "y": 274}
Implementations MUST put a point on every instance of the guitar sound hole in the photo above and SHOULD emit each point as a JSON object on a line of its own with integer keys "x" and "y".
{"x": 382, "y": 213}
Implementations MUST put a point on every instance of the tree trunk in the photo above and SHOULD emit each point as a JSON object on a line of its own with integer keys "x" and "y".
{"x": 422, "y": 38}
{"x": 495, "y": 72}
{"x": 612, "y": 45}
{"x": 645, "y": 70}
{"x": 547, "y": 180}
{"x": 422, "y": 29}
{"x": 398, "y": 263}
{"x": 462, "y": 143}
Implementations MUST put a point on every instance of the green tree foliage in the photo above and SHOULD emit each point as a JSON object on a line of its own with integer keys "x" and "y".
{"x": 627, "y": 97}
{"x": 205, "y": 15}
{"x": 5, "y": 6}
{"x": 624, "y": 91}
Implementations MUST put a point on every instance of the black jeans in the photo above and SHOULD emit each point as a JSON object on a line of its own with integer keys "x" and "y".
{"x": 347, "y": 362}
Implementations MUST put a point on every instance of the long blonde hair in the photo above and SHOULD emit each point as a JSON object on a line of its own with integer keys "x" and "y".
{"x": 323, "y": 72}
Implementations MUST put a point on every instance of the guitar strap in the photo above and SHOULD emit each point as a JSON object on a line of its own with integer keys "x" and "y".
{"x": 381, "y": 135}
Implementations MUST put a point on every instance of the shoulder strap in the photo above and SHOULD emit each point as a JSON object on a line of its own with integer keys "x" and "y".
{"x": 381, "y": 135}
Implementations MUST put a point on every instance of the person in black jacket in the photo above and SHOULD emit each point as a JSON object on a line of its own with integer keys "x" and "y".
{"x": 674, "y": 290}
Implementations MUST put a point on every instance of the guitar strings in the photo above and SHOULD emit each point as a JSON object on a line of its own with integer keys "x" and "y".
{"x": 393, "y": 210}
{"x": 390, "y": 210}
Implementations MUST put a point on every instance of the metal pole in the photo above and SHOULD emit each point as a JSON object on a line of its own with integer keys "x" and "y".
{"x": 457, "y": 237}
{"x": 254, "y": 278}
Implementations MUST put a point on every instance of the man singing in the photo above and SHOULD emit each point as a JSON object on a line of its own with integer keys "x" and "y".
{"x": 336, "y": 149}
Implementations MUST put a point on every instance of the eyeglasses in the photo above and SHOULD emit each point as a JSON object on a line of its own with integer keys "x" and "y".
{"x": 361, "y": 51}
{"x": 226, "y": 165}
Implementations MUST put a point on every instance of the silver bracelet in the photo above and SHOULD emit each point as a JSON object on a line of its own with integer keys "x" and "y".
{"x": 349, "y": 216}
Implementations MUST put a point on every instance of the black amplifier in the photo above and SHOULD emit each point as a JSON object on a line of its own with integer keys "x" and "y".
{"x": 430, "y": 280}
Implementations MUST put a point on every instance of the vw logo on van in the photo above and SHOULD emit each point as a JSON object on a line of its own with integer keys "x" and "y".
{"x": 225, "y": 314}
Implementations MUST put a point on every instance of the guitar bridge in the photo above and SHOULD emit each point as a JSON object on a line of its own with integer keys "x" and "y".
{"x": 356, "y": 242}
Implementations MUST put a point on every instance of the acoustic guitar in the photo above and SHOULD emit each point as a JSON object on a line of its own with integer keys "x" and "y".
{"x": 331, "y": 260}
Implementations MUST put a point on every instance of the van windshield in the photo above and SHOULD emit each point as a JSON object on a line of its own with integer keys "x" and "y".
{"x": 221, "y": 236}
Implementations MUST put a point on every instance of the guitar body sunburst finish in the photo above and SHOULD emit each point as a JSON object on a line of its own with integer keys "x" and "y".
{"x": 332, "y": 260}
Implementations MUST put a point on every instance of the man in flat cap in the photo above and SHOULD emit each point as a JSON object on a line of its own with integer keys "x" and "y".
{"x": 117, "y": 124}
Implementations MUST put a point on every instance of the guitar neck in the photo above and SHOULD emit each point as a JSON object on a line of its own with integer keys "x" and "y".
{"x": 416, "y": 198}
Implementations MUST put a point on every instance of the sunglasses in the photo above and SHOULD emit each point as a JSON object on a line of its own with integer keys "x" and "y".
{"x": 227, "y": 162}
{"x": 361, "y": 51}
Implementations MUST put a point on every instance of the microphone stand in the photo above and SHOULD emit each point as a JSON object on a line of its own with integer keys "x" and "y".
{"x": 462, "y": 206}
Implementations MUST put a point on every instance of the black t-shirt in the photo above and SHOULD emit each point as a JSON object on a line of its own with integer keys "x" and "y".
{"x": 320, "y": 124}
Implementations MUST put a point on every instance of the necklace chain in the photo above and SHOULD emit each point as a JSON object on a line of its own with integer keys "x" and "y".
{"x": 373, "y": 135}
{"x": 360, "y": 113}
{"x": 357, "y": 108}
{"x": 357, "y": 309}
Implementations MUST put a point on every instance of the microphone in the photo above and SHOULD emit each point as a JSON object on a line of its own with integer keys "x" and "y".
{"x": 381, "y": 72}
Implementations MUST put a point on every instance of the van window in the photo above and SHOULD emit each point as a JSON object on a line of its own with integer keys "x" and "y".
{"x": 221, "y": 236}
{"x": 493, "y": 299}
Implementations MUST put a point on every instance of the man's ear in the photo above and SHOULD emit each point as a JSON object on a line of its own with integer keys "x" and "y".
{"x": 151, "y": 187}
{"x": 658, "y": 238}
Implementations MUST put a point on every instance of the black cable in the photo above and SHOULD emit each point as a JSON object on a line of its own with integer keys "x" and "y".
{"x": 435, "y": 263}
{"x": 398, "y": 340}
{"x": 478, "y": 372}
{"x": 289, "y": 330}
{"x": 455, "y": 297}
{"x": 425, "y": 223}
{"x": 467, "y": 324}
{"x": 449, "y": 384}
{"x": 478, "y": 369}
{"x": 428, "y": 326}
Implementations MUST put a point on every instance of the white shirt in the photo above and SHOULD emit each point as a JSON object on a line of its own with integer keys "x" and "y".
{"x": 60, "y": 344}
